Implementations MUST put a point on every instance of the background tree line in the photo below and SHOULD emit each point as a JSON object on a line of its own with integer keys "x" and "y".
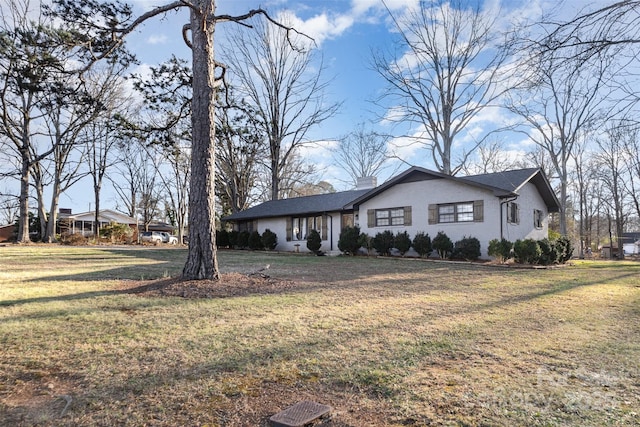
{"x": 567, "y": 87}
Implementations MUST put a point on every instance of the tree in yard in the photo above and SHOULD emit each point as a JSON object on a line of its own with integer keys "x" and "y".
{"x": 33, "y": 62}
{"x": 613, "y": 174}
{"x": 100, "y": 28}
{"x": 282, "y": 85}
{"x": 362, "y": 153}
{"x": 241, "y": 146}
{"x": 445, "y": 73}
{"x": 561, "y": 101}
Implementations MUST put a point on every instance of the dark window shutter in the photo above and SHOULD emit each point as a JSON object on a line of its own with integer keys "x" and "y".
{"x": 371, "y": 218}
{"x": 433, "y": 214}
{"x": 478, "y": 210}
{"x": 407, "y": 215}
{"x": 289, "y": 229}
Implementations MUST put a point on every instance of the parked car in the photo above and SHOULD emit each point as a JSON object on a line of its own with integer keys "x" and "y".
{"x": 158, "y": 237}
{"x": 168, "y": 238}
{"x": 152, "y": 237}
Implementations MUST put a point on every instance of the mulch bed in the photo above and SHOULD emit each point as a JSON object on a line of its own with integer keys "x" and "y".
{"x": 229, "y": 285}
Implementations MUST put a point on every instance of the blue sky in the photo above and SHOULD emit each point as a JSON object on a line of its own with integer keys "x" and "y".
{"x": 346, "y": 31}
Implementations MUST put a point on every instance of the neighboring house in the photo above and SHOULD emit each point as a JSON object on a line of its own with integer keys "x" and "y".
{"x": 512, "y": 205}
{"x": 84, "y": 223}
{"x": 7, "y": 233}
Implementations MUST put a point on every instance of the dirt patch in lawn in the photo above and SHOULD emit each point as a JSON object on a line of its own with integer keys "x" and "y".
{"x": 229, "y": 285}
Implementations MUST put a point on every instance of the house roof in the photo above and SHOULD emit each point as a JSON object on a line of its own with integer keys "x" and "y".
{"x": 106, "y": 215}
{"x": 329, "y": 202}
{"x": 501, "y": 184}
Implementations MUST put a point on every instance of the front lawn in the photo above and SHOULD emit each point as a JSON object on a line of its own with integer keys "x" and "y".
{"x": 385, "y": 342}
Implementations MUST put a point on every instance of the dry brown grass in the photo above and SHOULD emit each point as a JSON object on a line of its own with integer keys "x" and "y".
{"x": 385, "y": 342}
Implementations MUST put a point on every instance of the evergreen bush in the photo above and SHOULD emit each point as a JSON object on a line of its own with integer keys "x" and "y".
{"x": 402, "y": 242}
{"x": 442, "y": 244}
{"x": 366, "y": 242}
{"x": 422, "y": 244}
{"x": 255, "y": 241}
{"x": 526, "y": 251}
{"x": 468, "y": 249}
{"x": 233, "y": 238}
{"x": 349, "y": 240}
{"x": 222, "y": 238}
{"x": 314, "y": 242}
{"x": 564, "y": 248}
{"x": 269, "y": 240}
{"x": 548, "y": 252}
{"x": 500, "y": 249}
{"x": 243, "y": 239}
{"x": 383, "y": 242}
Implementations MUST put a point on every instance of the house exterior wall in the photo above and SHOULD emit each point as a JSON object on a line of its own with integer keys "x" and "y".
{"x": 278, "y": 225}
{"x": 528, "y": 200}
{"x": 419, "y": 195}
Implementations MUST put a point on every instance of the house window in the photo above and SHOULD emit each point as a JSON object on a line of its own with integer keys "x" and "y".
{"x": 449, "y": 213}
{"x": 302, "y": 226}
{"x": 389, "y": 217}
{"x": 537, "y": 218}
{"x": 458, "y": 212}
{"x": 513, "y": 213}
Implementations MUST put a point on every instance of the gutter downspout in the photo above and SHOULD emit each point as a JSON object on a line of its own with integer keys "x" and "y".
{"x": 504, "y": 202}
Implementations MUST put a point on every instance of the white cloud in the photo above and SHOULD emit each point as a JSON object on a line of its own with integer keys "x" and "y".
{"x": 157, "y": 39}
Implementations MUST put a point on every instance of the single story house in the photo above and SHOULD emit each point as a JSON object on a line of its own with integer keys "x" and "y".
{"x": 512, "y": 205}
{"x": 84, "y": 222}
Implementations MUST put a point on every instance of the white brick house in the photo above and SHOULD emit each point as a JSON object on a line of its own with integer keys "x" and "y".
{"x": 513, "y": 204}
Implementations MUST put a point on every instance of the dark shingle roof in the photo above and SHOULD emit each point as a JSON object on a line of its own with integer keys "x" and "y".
{"x": 299, "y": 205}
{"x": 502, "y": 184}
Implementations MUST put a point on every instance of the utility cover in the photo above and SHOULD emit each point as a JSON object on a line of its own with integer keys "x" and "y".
{"x": 299, "y": 414}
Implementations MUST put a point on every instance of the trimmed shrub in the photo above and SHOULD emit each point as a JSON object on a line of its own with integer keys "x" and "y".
{"x": 443, "y": 245}
{"x": 422, "y": 244}
{"x": 269, "y": 240}
{"x": 467, "y": 249}
{"x": 366, "y": 242}
{"x": 349, "y": 241}
{"x": 564, "y": 248}
{"x": 222, "y": 238}
{"x": 243, "y": 239}
{"x": 548, "y": 252}
{"x": 76, "y": 239}
{"x": 233, "y": 238}
{"x": 500, "y": 249}
{"x": 526, "y": 251}
{"x": 383, "y": 242}
{"x": 402, "y": 242}
{"x": 255, "y": 241}
{"x": 314, "y": 241}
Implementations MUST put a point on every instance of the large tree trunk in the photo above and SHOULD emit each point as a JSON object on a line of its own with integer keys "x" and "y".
{"x": 202, "y": 260}
{"x": 23, "y": 222}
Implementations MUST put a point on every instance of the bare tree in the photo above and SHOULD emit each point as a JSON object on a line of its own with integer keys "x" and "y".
{"x": 445, "y": 71}
{"x": 561, "y": 101}
{"x": 632, "y": 161}
{"x": 613, "y": 174}
{"x": 586, "y": 182}
{"x": 127, "y": 174}
{"x": 362, "y": 153}
{"x": 490, "y": 157}
{"x": 283, "y": 85}
{"x": 593, "y": 32}
{"x": 31, "y": 59}
{"x": 99, "y": 30}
